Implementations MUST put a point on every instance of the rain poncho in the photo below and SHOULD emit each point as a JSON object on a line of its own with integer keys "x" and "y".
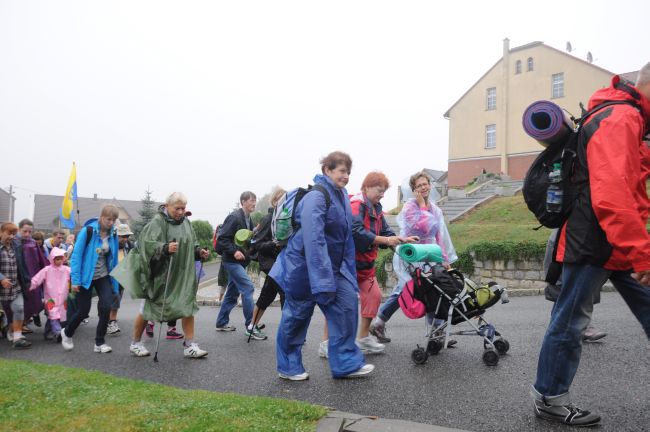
{"x": 429, "y": 225}
{"x": 318, "y": 259}
{"x": 144, "y": 271}
{"x": 55, "y": 280}
{"x": 35, "y": 260}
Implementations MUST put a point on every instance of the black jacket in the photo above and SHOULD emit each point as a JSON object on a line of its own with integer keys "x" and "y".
{"x": 263, "y": 245}
{"x": 226, "y": 246}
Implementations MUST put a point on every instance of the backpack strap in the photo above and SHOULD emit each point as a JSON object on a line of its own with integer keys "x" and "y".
{"x": 326, "y": 194}
{"x": 89, "y": 234}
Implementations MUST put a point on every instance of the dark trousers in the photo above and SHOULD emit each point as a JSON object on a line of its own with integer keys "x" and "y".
{"x": 269, "y": 290}
{"x": 104, "y": 289}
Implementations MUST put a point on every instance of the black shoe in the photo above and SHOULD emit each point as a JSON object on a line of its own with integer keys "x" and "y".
{"x": 22, "y": 343}
{"x": 566, "y": 414}
{"x": 37, "y": 320}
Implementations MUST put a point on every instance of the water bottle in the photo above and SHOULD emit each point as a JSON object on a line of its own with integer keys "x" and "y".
{"x": 554, "y": 192}
{"x": 282, "y": 225}
{"x": 504, "y": 296}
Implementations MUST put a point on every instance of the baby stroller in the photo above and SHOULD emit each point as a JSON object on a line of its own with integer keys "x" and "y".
{"x": 447, "y": 295}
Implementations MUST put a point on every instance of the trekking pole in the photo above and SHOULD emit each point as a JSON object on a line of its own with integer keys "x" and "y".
{"x": 162, "y": 310}
{"x": 250, "y": 333}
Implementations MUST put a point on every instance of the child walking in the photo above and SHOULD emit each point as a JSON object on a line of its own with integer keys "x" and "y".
{"x": 55, "y": 279}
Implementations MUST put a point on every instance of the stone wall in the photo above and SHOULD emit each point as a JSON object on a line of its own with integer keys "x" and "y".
{"x": 520, "y": 277}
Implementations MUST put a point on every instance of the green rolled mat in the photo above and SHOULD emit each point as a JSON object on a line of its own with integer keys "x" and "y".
{"x": 420, "y": 253}
{"x": 242, "y": 237}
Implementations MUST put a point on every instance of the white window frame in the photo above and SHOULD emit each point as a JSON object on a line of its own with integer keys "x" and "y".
{"x": 530, "y": 66}
{"x": 557, "y": 85}
{"x": 491, "y": 99}
{"x": 491, "y": 136}
{"x": 517, "y": 67}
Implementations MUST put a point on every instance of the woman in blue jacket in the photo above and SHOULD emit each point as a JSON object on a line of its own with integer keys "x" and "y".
{"x": 93, "y": 258}
{"x": 318, "y": 267}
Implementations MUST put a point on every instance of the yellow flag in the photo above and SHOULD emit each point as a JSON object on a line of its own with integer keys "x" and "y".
{"x": 67, "y": 207}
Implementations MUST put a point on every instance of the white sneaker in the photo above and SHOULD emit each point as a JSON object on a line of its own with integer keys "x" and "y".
{"x": 323, "y": 348}
{"x": 113, "y": 328}
{"x": 363, "y": 370}
{"x": 300, "y": 377}
{"x": 139, "y": 350}
{"x": 66, "y": 341}
{"x": 10, "y": 336}
{"x": 193, "y": 351}
{"x": 103, "y": 348}
{"x": 368, "y": 345}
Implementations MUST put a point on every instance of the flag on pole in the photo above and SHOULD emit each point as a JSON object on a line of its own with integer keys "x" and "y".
{"x": 67, "y": 207}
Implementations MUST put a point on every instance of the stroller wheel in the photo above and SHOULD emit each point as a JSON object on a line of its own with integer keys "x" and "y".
{"x": 490, "y": 357}
{"x": 501, "y": 345}
{"x": 434, "y": 347}
{"x": 419, "y": 356}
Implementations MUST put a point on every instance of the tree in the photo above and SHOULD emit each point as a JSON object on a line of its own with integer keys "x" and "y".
{"x": 147, "y": 212}
{"x": 203, "y": 230}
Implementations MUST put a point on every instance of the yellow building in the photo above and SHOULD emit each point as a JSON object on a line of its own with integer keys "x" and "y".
{"x": 485, "y": 124}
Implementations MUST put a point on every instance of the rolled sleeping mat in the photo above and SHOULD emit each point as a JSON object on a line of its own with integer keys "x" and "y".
{"x": 242, "y": 237}
{"x": 420, "y": 253}
{"x": 547, "y": 122}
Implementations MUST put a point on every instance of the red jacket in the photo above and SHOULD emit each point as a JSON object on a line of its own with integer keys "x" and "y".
{"x": 607, "y": 226}
{"x": 368, "y": 222}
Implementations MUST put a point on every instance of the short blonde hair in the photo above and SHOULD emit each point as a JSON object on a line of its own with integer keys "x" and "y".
{"x": 176, "y": 198}
{"x": 108, "y": 210}
{"x": 277, "y": 196}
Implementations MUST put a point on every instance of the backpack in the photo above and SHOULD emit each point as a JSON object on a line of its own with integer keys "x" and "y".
{"x": 410, "y": 305}
{"x": 536, "y": 182}
{"x": 283, "y": 223}
{"x": 215, "y": 236}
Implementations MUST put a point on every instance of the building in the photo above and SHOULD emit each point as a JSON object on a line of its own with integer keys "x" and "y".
{"x": 7, "y": 206}
{"x": 47, "y": 209}
{"x": 485, "y": 124}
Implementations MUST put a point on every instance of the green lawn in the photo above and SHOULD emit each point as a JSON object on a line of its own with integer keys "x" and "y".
{"x": 502, "y": 219}
{"x": 37, "y": 397}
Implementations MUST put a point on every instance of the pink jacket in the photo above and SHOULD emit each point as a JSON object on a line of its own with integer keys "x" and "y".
{"x": 56, "y": 281}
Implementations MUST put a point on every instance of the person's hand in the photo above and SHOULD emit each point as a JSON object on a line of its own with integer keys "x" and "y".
{"x": 419, "y": 198}
{"x": 204, "y": 254}
{"x": 172, "y": 248}
{"x": 239, "y": 256}
{"x": 393, "y": 241}
{"x": 643, "y": 277}
{"x": 325, "y": 298}
{"x": 6, "y": 283}
{"x": 75, "y": 288}
{"x": 447, "y": 266}
{"x": 410, "y": 239}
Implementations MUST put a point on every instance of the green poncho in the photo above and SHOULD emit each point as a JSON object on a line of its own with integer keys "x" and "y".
{"x": 144, "y": 271}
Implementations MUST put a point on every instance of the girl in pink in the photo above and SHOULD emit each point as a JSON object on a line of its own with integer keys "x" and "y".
{"x": 56, "y": 280}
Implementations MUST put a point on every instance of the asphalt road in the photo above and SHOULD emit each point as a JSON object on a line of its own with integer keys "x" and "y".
{"x": 454, "y": 389}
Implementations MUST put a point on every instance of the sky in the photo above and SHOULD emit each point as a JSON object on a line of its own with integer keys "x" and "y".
{"x": 214, "y": 98}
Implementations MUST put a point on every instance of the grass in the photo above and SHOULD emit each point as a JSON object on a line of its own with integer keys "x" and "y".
{"x": 501, "y": 219}
{"x": 37, "y": 397}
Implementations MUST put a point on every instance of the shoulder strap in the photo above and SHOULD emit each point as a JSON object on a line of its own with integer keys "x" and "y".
{"x": 89, "y": 234}
{"x": 326, "y": 194}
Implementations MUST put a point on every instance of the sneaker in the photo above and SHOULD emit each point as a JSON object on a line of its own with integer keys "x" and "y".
{"x": 66, "y": 341}
{"x": 256, "y": 334}
{"x": 363, "y": 371}
{"x": 49, "y": 336}
{"x": 173, "y": 334}
{"x": 592, "y": 334}
{"x": 368, "y": 345}
{"x": 27, "y": 330}
{"x": 300, "y": 377}
{"x": 148, "y": 329}
{"x": 193, "y": 351}
{"x": 226, "y": 328}
{"x": 139, "y": 350}
{"x": 85, "y": 321}
{"x": 568, "y": 414}
{"x": 323, "y": 349}
{"x": 21, "y": 343}
{"x": 379, "y": 331}
{"x": 112, "y": 328}
{"x": 103, "y": 348}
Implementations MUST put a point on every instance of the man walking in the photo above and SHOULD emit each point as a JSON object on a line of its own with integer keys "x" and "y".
{"x": 604, "y": 237}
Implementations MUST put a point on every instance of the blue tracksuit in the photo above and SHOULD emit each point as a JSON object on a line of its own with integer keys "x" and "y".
{"x": 319, "y": 258}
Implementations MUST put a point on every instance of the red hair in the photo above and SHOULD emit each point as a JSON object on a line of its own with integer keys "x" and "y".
{"x": 375, "y": 178}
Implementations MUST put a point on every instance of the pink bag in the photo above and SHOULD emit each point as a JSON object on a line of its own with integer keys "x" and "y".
{"x": 412, "y": 307}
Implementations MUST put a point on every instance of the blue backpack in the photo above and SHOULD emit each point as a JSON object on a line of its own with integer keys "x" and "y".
{"x": 283, "y": 223}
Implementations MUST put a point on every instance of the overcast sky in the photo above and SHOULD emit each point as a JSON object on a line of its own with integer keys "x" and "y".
{"x": 213, "y": 98}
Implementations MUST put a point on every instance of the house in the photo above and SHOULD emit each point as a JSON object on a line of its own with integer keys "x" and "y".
{"x": 7, "y": 206}
{"x": 47, "y": 209}
{"x": 485, "y": 124}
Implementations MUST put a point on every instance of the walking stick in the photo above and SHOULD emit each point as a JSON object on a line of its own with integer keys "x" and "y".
{"x": 162, "y": 310}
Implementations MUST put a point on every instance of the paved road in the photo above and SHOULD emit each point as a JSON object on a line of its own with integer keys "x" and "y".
{"x": 454, "y": 389}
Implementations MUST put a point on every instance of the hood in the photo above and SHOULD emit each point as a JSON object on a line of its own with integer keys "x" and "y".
{"x": 621, "y": 91}
{"x": 55, "y": 252}
{"x": 92, "y": 221}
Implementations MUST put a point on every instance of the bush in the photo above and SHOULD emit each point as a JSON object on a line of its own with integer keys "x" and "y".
{"x": 498, "y": 251}
{"x": 383, "y": 256}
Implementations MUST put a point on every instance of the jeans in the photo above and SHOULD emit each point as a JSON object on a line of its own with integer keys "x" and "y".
{"x": 391, "y": 305}
{"x": 238, "y": 282}
{"x": 560, "y": 353}
{"x": 104, "y": 288}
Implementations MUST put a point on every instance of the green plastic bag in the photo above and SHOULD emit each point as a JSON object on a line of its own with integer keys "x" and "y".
{"x": 413, "y": 253}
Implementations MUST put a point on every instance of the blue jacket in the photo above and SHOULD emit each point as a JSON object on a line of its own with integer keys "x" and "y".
{"x": 322, "y": 251}
{"x": 84, "y": 258}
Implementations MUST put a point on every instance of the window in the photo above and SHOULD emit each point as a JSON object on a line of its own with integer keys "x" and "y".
{"x": 518, "y": 67}
{"x": 490, "y": 136}
{"x": 491, "y": 98}
{"x": 558, "y": 85}
{"x": 530, "y": 64}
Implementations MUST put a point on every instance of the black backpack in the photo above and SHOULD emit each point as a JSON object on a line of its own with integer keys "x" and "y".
{"x": 536, "y": 181}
